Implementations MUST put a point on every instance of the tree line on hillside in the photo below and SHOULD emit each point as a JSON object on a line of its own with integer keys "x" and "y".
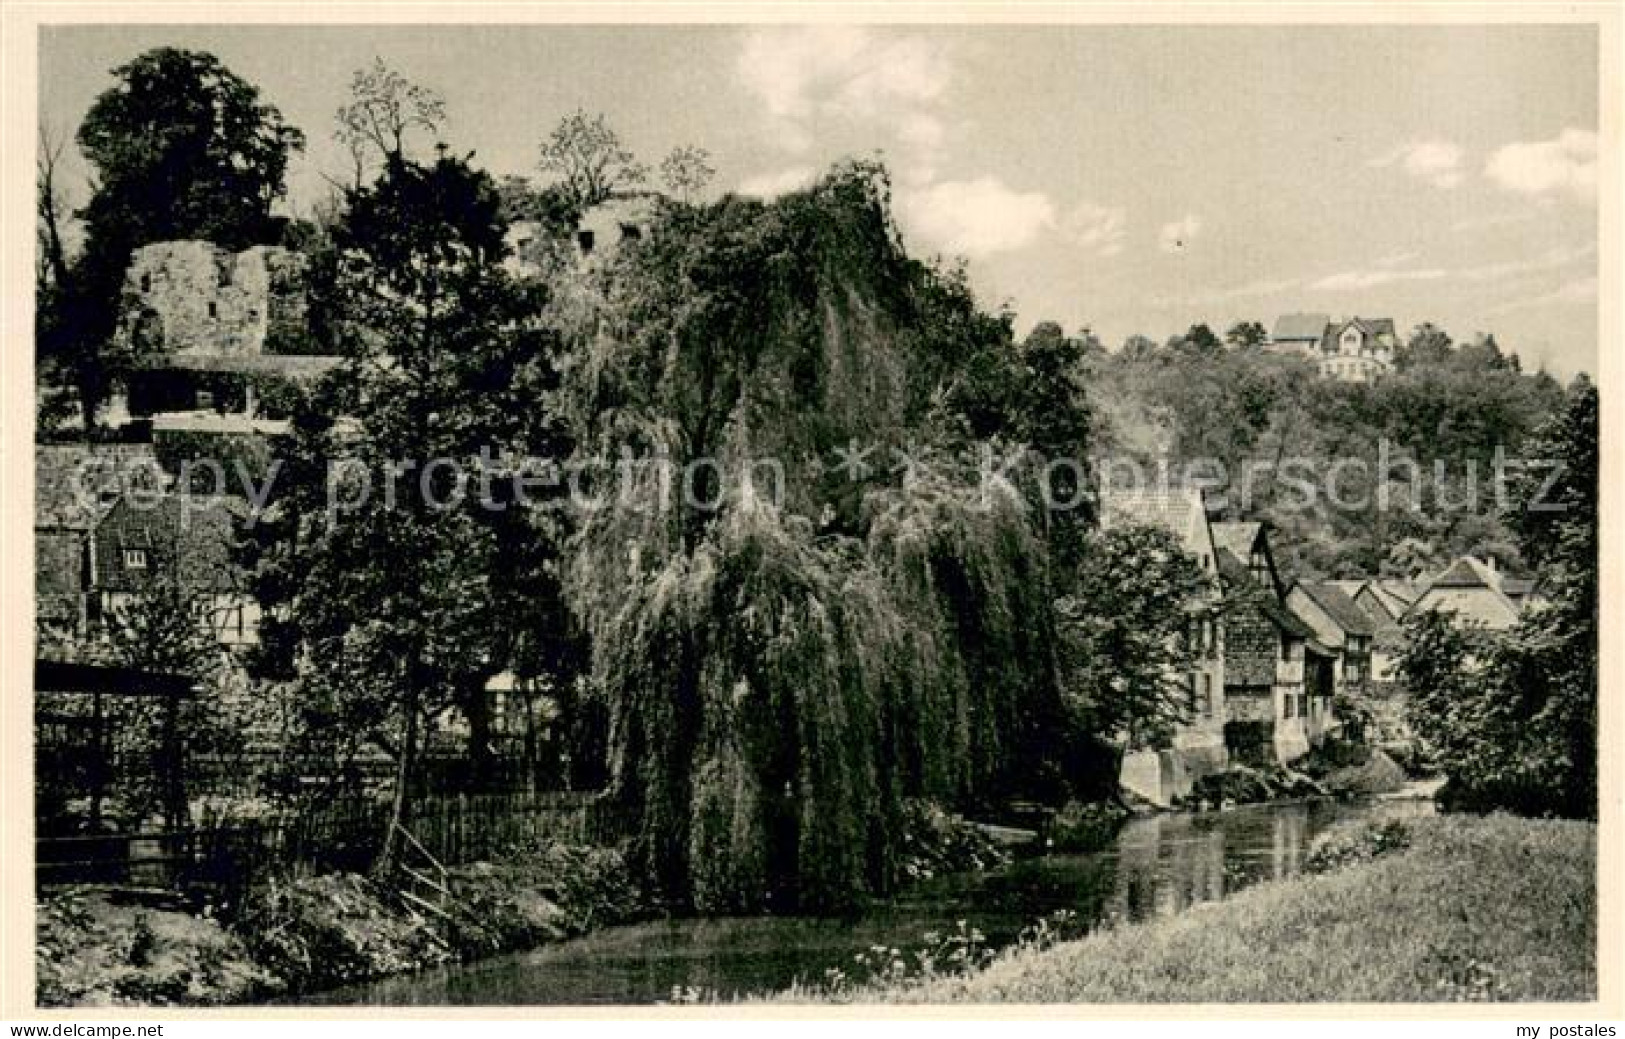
{"x": 1422, "y": 442}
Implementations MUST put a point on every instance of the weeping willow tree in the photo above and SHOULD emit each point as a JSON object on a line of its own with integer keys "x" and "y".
{"x": 788, "y": 661}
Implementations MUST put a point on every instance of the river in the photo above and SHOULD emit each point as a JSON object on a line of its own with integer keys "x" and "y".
{"x": 1156, "y": 865}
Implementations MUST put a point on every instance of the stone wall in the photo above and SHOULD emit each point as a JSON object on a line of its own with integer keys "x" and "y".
{"x": 192, "y": 299}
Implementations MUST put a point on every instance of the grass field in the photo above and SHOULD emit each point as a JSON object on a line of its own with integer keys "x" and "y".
{"x": 1491, "y": 908}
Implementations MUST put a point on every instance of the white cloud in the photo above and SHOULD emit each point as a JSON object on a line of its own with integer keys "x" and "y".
{"x": 1580, "y": 291}
{"x": 1552, "y": 259}
{"x": 1566, "y": 164}
{"x": 1098, "y": 229}
{"x": 766, "y": 185}
{"x": 1370, "y": 278}
{"x": 976, "y": 218}
{"x": 1177, "y": 236}
{"x": 1435, "y": 161}
{"x": 808, "y": 74}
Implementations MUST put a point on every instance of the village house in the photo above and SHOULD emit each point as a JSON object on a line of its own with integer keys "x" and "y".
{"x": 1278, "y": 676}
{"x": 619, "y": 219}
{"x": 1198, "y": 747}
{"x": 1339, "y": 624}
{"x": 174, "y": 544}
{"x": 1473, "y": 591}
{"x": 1354, "y": 349}
{"x": 1385, "y": 601}
{"x": 75, "y": 485}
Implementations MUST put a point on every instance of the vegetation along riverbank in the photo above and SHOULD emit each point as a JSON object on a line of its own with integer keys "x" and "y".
{"x": 1448, "y": 908}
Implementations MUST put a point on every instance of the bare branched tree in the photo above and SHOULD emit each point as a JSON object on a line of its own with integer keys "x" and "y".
{"x": 686, "y": 172}
{"x": 52, "y": 261}
{"x": 384, "y": 110}
{"x": 587, "y": 158}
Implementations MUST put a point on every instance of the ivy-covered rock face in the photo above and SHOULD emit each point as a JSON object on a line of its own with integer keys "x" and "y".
{"x": 784, "y": 666}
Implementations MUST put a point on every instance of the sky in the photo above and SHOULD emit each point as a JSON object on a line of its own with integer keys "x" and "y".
{"x": 1129, "y": 179}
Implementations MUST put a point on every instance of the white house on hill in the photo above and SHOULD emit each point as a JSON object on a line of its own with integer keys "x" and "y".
{"x": 1354, "y": 349}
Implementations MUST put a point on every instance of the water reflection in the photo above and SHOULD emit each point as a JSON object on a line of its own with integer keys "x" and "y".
{"x": 1157, "y": 866}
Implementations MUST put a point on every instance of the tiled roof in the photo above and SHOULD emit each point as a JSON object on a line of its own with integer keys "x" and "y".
{"x": 1517, "y": 587}
{"x": 193, "y": 540}
{"x": 1239, "y": 579}
{"x": 1237, "y": 538}
{"x": 1178, "y": 510}
{"x": 1344, "y": 611}
{"x": 1397, "y": 588}
{"x": 1234, "y": 571}
{"x": 75, "y": 484}
{"x": 1300, "y": 326}
{"x": 1468, "y": 572}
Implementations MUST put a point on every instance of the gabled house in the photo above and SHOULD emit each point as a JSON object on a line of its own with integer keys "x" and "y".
{"x": 1248, "y": 543}
{"x": 1299, "y": 333}
{"x": 1278, "y": 676}
{"x": 1352, "y": 349}
{"x": 1198, "y": 748}
{"x": 75, "y": 485}
{"x": 1385, "y": 601}
{"x": 1470, "y": 589}
{"x": 1340, "y": 624}
{"x": 1358, "y": 349}
{"x": 166, "y": 544}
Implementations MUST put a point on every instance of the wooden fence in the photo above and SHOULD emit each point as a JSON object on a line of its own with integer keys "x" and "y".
{"x": 341, "y": 835}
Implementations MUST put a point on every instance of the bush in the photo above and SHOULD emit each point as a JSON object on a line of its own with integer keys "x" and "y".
{"x": 1356, "y": 841}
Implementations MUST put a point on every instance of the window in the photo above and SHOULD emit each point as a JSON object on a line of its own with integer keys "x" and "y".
{"x": 214, "y": 309}
{"x": 1286, "y": 648}
{"x": 1207, "y": 696}
{"x": 584, "y": 239}
{"x": 146, "y": 283}
{"x": 1195, "y": 704}
{"x": 631, "y": 233}
{"x": 135, "y": 559}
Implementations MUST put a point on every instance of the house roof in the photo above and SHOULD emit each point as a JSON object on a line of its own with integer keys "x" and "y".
{"x": 1237, "y": 538}
{"x": 75, "y": 484}
{"x": 1284, "y": 619}
{"x": 1178, "y": 510}
{"x": 193, "y": 539}
{"x": 1468, "y": 572}
{"x": 1300, "y": 326}
{"x": 1397, "y": 588}
{"x": 1517, "y": 587}
{"x": 1237, "y": 576}
{"x": 1336, "y": 604}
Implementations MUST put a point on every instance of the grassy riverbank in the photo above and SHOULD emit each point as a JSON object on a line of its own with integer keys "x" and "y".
{"x": 1473, "y": 909}
{"x": 97, "y": 947}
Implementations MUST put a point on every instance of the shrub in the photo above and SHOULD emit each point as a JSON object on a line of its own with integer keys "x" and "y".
{"x": 1359, "y": 841}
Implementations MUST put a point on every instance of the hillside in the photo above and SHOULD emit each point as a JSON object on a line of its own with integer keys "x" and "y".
{"x": 1310, "y": 454}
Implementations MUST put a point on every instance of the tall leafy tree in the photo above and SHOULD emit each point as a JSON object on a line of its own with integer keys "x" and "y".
{"x": 1246, "y": 335}
{"x": 1123, "y": 649}
{"x": 1512, "y": 718}
{"x": 406, "y": 584}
